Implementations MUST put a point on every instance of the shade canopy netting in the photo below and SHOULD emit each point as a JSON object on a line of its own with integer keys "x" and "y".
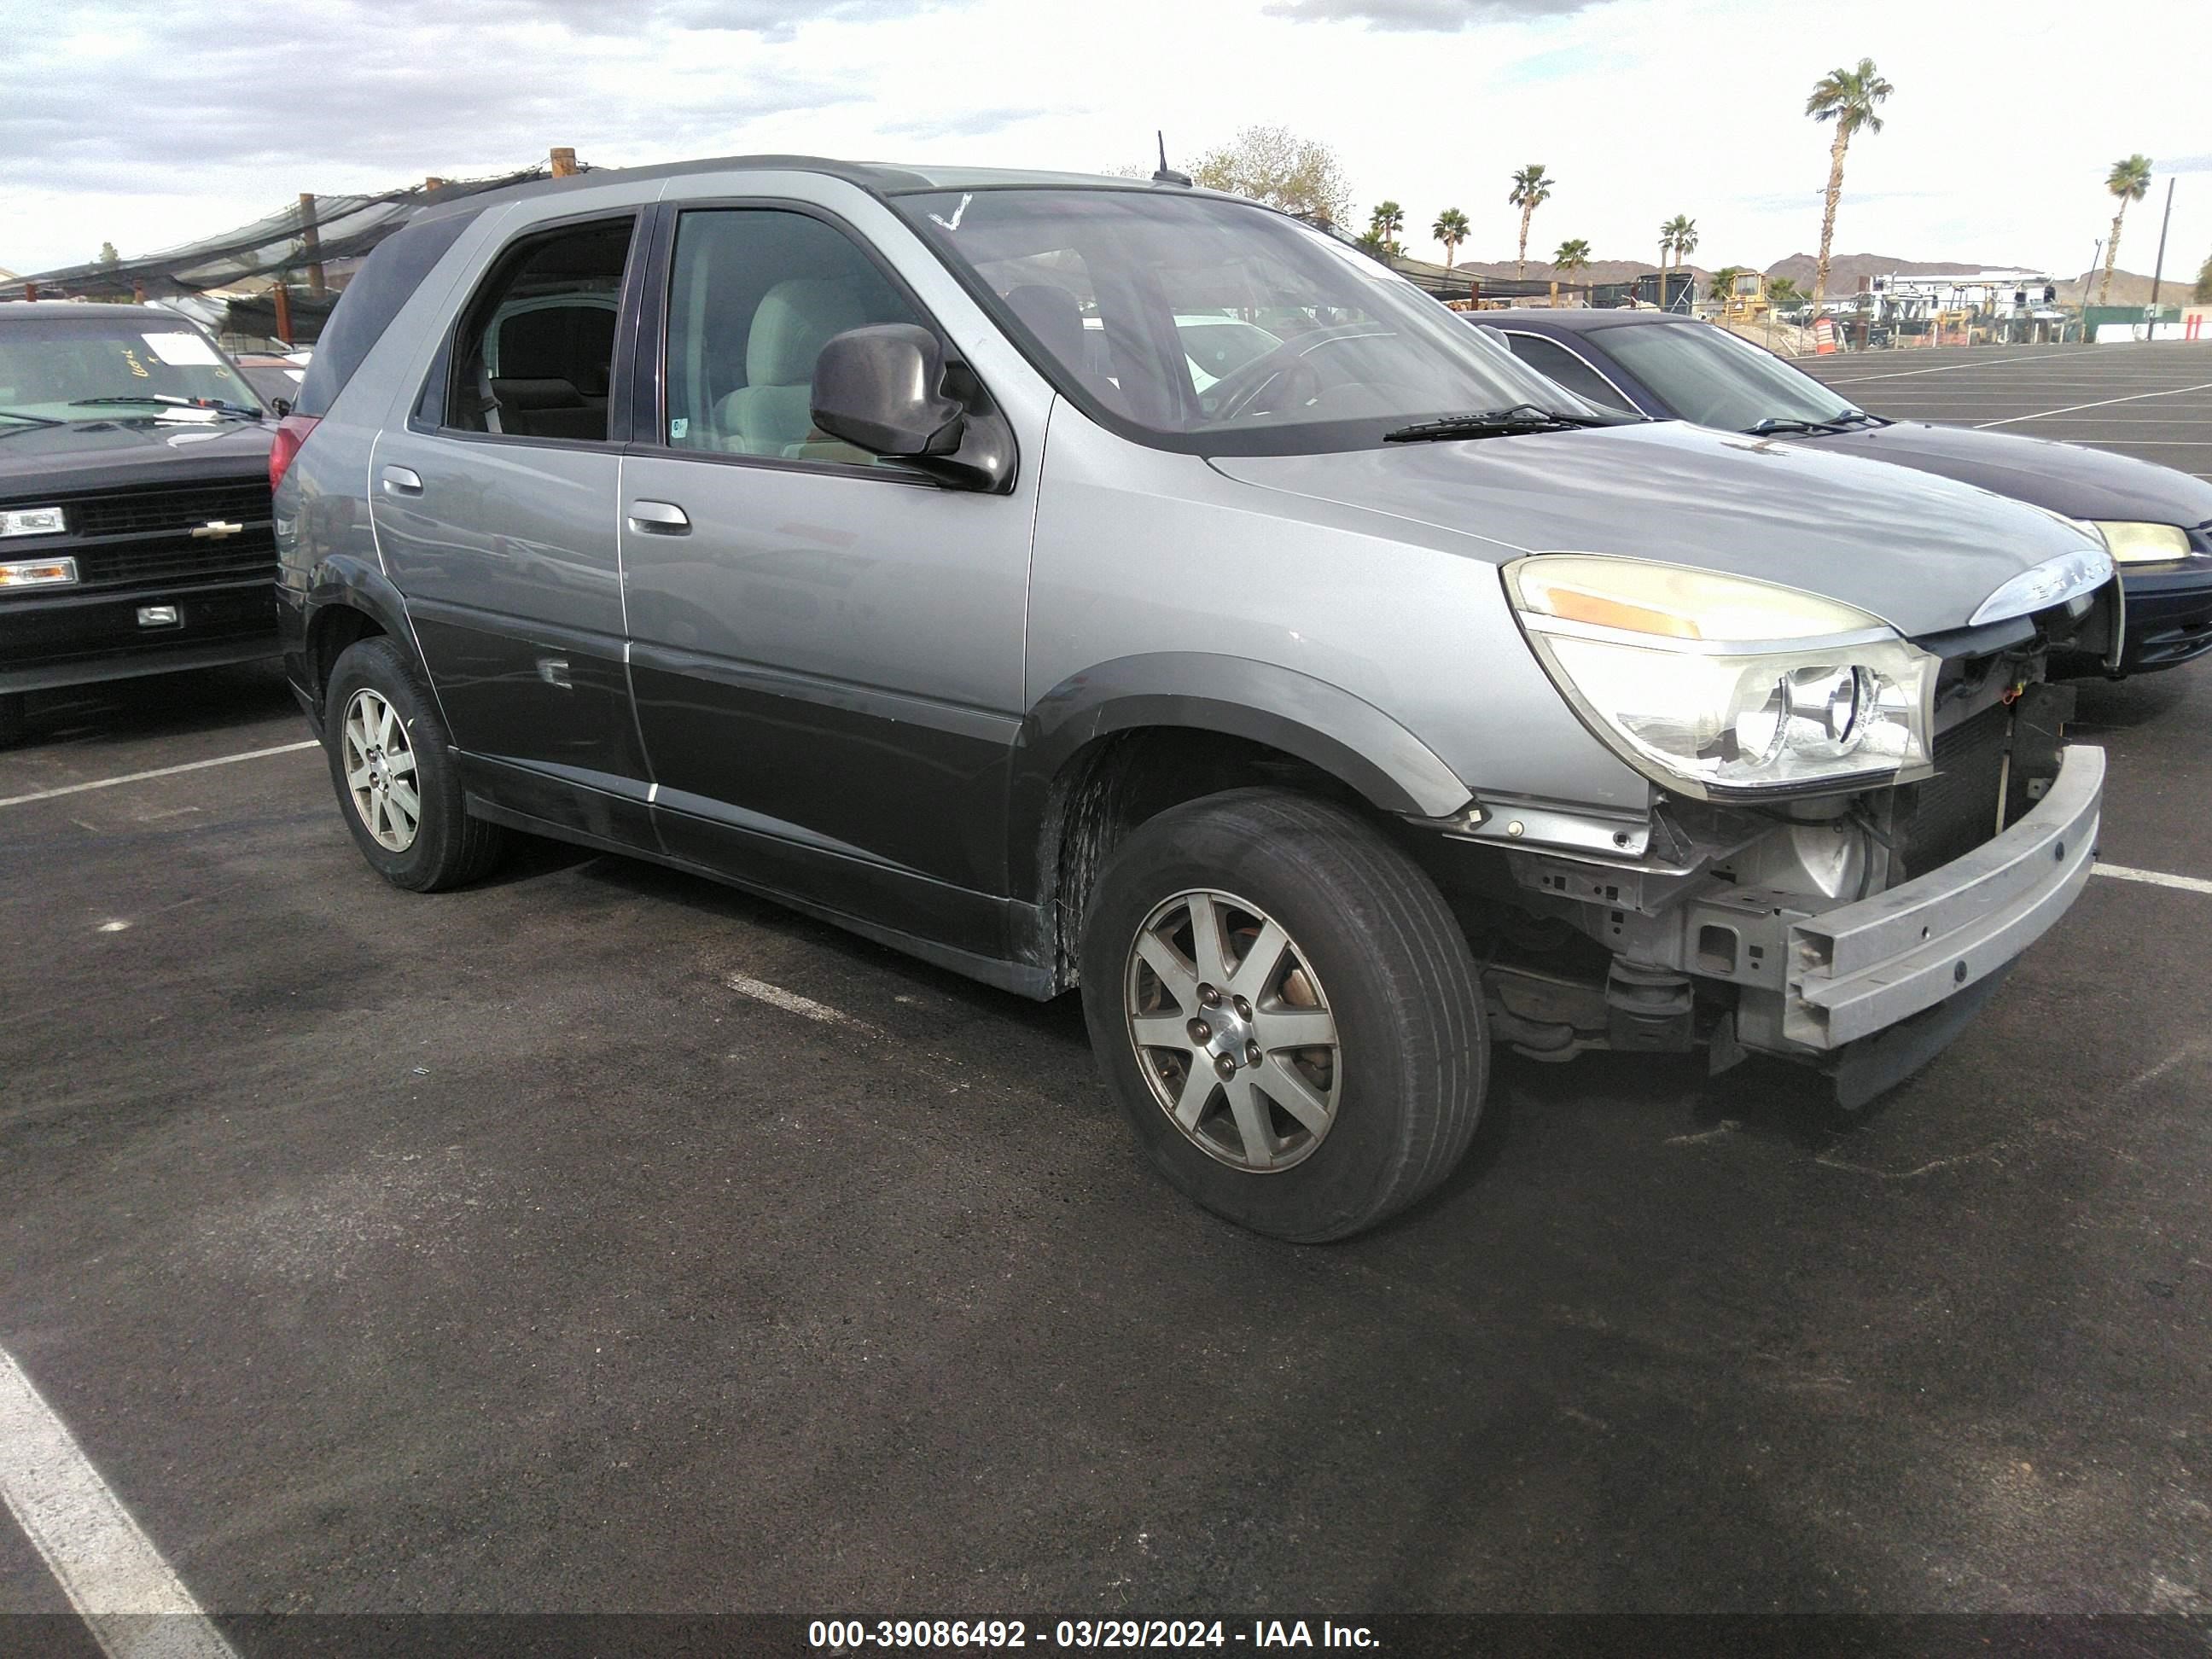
{"x": 331, "y": 231}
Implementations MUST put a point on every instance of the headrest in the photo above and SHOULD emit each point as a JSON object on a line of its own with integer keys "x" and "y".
{"x": 794, "y": 320}
{"x": 1055, "y": 316}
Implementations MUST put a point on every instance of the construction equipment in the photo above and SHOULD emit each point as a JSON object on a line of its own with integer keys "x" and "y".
{"x": 1746, "y": 302}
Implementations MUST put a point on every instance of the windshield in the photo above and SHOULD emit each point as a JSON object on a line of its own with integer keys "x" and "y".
{"x": 49, "y": 366}
{"x": 1710, "y": 377}
{"x": 1220, "y": 327}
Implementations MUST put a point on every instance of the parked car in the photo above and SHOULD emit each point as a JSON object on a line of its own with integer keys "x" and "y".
{"x": 134, "y": 501}
{"x": 2157, "y": 521}
{"x": 1374, "y": 702}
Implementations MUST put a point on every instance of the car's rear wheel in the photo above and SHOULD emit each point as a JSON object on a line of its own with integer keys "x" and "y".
{"x": 1287, "y": 1010}
{"x": 15, "y": 717}
{"x": 393, "y": 766}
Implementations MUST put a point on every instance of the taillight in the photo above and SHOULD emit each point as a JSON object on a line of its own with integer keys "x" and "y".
{"x": 291, "y": 432}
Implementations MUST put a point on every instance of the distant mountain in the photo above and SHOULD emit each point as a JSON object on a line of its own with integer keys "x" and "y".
{"x": 1845, "y": 270}
{"x": 2131, "y": 289}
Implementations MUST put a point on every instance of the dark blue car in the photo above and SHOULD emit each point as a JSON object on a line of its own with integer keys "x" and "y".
{"x": 2157, "y": 522}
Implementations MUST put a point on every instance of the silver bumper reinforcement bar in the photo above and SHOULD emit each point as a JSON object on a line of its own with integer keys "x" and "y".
{"x": 1859, "y": 969}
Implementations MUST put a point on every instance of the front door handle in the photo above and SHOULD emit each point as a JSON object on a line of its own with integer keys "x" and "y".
{"x": 658, "y": 518}
{"x": 402, "y": 481}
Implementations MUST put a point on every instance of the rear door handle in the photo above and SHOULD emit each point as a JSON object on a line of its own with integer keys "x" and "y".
{"x": 658, "y": 518}
{"x": 402, "y": 481}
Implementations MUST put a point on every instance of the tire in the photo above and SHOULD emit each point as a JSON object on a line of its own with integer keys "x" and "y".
{"x": 1349, "y": 1131}
{"x": 15, "y": 717}
{"x": 407, "y": 756}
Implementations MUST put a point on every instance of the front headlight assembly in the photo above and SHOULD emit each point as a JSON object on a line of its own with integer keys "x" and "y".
{"x": 2143, "y": 543}
{"x": 1722, "y": 687}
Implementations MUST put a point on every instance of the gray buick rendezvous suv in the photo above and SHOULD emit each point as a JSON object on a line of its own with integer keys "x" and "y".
{"x": 1088, "y": 583}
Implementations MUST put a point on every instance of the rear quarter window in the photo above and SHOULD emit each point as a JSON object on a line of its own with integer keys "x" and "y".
{"x": 384, "y": 283}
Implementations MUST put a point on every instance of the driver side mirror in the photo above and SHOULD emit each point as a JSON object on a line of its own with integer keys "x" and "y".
{"x": 887, "y": 389}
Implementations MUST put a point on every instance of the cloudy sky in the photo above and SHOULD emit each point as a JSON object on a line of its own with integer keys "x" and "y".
{"x": 153, "y": 122}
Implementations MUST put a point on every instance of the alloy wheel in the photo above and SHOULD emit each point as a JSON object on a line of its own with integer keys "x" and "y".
{"x": 1232, "y": 1031}
{"x": 379, "y": 770}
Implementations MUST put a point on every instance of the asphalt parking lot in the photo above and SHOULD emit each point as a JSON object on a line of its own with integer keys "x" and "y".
{"x": 2154, "y": 402}
{"x": 598, "y": 1240}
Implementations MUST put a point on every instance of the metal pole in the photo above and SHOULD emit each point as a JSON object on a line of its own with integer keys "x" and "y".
{"x": 2096, "y": 253}
{"x": 2158, "y": 270}
{"x": 311, "y": 242}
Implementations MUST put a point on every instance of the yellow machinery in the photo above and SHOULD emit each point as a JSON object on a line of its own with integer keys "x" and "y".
{"x": 1746, "y": 302}
{"x": 1959, "y": 326}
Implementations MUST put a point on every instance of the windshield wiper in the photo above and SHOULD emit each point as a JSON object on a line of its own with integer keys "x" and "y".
{"x": 1790, "y": 423}
{"x": 166, "y": 402}
{"x": 1491, "y": 423}
{"x": 29, "y": 420}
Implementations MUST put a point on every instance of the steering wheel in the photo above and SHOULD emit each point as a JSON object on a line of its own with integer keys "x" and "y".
{"x": 1239, "y": 391}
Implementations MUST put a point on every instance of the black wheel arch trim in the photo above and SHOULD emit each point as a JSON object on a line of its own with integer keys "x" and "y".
{"x": 343, "y": 581}
{"x": 1327, "y": 727}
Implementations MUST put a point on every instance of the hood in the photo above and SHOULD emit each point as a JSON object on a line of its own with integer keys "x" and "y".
{"x": 121, "y": 454}
{"x": 2082, "y": 483}
{"x": 1917, "y": 550}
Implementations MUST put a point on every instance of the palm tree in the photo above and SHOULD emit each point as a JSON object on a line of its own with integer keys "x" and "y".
{"x": 1387, "y": 220}
{"x": 1450, "y": 228}
{"x": 1847, "y": 97}
{"x": 1531, "y": 187}
{"x": 1573, "y": 256}
{"x": 2129, "y": 180}
{"x": 1679, "y": 233}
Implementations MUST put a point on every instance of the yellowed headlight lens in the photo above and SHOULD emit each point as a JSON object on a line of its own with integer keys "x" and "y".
{"x": 2143, "y": 543}
{"x": 1719, "y": 685}
{"x": 1674, "y": 601}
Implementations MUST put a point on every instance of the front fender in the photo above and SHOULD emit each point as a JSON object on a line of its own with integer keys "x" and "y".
{"x": 1328, "y": 728}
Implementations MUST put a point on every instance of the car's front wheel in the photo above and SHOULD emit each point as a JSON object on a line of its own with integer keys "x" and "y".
{"x": 1287, "y": 1010}
{"x": 393, "y": 766}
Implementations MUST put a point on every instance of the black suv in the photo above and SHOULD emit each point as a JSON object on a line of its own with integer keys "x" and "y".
{"x": 135, "y": 534}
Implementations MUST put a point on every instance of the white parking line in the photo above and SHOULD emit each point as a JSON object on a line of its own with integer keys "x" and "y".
{"x": 1945, "y": 368}
{"x": 792, "y": 1003}
{"x": 134, "y": 1605}
{"x": 2102, "y": 403}
{"x": 159, "y": 772}
{"x": 2152, "y": 877}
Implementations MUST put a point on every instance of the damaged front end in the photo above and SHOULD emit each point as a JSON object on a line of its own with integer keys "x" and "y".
{"x": 1857, "y": 931}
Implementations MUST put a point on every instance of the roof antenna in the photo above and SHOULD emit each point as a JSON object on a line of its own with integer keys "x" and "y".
{"x": 1168, "y": 175}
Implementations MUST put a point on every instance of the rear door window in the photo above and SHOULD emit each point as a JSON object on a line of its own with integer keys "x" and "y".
{"x": 534, "y": 354}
